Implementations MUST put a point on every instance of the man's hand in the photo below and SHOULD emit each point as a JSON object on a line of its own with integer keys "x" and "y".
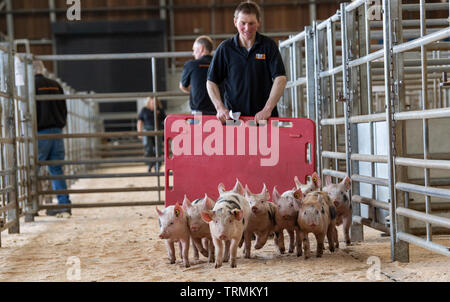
{"x": 263, "y": 115}
{"x": 223, "y": 115}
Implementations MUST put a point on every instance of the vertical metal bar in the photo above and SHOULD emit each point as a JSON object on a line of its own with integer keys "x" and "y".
{"x": 399, "y": 250}
{"x": 389, "y": 115}
{"x": 10, "y": 125}
{"x": 345, "y": 85}
{"x": 156, "y": 124}
{"x": 423, "y": 58}
{"x": 317, "y": 98}
{"x": 51, "y": 5}
{"x": 310, "y": 75}
{"x": 331, "y": 43}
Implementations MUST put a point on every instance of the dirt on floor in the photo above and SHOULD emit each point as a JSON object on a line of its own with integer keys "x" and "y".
{"x": 122, "y": 244}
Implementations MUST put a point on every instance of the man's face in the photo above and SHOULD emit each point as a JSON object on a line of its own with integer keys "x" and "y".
{"x": 247, "y": 26}
{"x": 151, "y": 104}
{"x": 197, "y": 50}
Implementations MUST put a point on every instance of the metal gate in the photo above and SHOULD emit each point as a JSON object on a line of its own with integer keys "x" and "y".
{"x": 365, "y": 95}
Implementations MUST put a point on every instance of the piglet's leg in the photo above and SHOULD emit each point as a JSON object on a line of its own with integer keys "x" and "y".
{"x": 291, "y": 241}
{"x": 171, "y": 251}
{"x": 226, "y": 255}
{"x": 320, "y": 243}
{"x": 211, "y": 258}
{"x": 346, "y": 226}
{"x": 185, "y": 250}
{"x": 261, "y": 240}
{"x": 298, "y": 241}
{"x": 306, "y": 248}
{"x": 279, "y": 241}
{"x": 199, "y": 245}
{"x": 248, "y": 244}
{"x": 196, "y": 255}
{"x": 233, "y": 249}
{"x": 218, "y": 245}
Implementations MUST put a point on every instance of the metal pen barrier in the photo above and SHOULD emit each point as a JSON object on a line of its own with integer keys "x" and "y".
{"x": 364, "y": 94}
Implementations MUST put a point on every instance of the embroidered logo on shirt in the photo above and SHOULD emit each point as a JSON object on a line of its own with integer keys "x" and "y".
{"x": 260, "y": 56}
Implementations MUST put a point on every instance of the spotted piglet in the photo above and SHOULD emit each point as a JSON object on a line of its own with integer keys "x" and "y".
{"x": 312, "y": 185}
{"x": 317, "y": 215}
{"x": 287, "y": 205}
{"x": 339, "y": 196}
{"x": 262, "y": 219}
{"x": 200, "y": 233}
{"x": 227, "y": 222}
{"x": 174, "y": 228}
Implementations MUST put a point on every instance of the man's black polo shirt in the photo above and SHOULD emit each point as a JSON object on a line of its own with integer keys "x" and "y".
{"x": 248, "y": 75}
{"x": 194, "y": 74}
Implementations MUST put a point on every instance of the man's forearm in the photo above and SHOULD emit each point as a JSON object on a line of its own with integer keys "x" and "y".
{"x": 185, "y": 89}
{"x": 214, "y": 95}
{"x": 279, "y": 84}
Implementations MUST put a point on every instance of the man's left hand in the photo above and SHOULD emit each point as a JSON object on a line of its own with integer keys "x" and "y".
{"x": 263, "y": 115}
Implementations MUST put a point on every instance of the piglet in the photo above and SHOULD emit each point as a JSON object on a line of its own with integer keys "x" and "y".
{"x": 317, "y": 215}
{"x": 174, "y": 228}
{"x": 339, "y": 197}
{"x": 227, "y": 222}
{"x": 312, "y": 185}
{"x": 261, "y": 221}
{"x": 286, "y": 219}
{"x": 199, "y": 230}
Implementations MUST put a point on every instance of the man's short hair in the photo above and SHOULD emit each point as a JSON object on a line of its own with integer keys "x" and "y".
{"x": 248, "y": 8}
{"x": 206, "y": 42}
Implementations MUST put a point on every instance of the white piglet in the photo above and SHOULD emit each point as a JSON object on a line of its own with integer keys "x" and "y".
{"x": 227, "y": 222}
{"x": 174, "y": 228}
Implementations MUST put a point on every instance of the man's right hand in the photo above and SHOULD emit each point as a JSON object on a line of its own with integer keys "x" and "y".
{"x": 223, "y": 115}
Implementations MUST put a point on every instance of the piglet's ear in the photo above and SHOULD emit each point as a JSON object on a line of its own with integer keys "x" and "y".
{"x": 328, "y": 180}
{"x": 178, "y": 210}
{"x": 207, "y": 216}
{"x": 275, "y": 195}
{"x": 238, "y": 214}
{"x": 159, "y": 212}
{"x": 265, "y": 193}
{"x": 347, "y": 182}
{"x": 186, "y": 203}
{"x": 247, "y": 191}
{"x": 238, "y": 188}
{"x": 221, "y": 188}
{"x": 297, "y": 182}
{"x": 316, "y": 180}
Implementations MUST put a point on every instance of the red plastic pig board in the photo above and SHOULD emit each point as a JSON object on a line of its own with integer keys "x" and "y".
{"x": 204, "y": 154}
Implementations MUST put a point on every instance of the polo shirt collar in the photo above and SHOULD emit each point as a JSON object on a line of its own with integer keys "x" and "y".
{"x": 236, "y": 40}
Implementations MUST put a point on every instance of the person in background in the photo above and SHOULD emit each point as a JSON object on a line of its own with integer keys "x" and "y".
{"x": 51, "y": 119}
{"x": 193, "y": 77}
{"x": 146, "y": 122}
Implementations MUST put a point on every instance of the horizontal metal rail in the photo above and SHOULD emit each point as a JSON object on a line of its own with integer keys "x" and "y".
{"x": 335, "y": 155}
{"x": 334, "y": 173}
{"x": 371, "y": 180}
{"x": 100, "y": 135}
{"x": 8, "y": 141}
{"x": 116, "y": 56}
{"x": 299, "y": 37}
{"x": 104, "y": 190}
{"x": 118, "y": 95}
{"x": 91, "y": 176}
{"x": 370, "y": 223}
{"x": 102, "y": 205}
{"x": 333, "y": 121}
{"x": 298, "y": 82}
{"x": 428, "y": 39}
{"x": 433, "y": 219}
{"x": 423, "y": 163}
{"x": 370, "y": 158}
{"x": 371, "y": 202}
{"x": 437, "y": 248}
{"x": 429, "y": 191}
{"x": 422, "y": 114}
{"x": 99, "y": 161}
{"x": 354, "y": 5}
